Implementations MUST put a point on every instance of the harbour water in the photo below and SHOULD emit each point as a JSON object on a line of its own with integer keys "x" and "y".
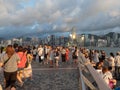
{"x": 106, "y": 49}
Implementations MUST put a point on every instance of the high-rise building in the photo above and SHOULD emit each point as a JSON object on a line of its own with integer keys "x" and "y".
{"x": 115, "y": 37}
{"x": 52, "y": 40}
{"x": 92, "y": 40}
{"x": 108, "y": 41}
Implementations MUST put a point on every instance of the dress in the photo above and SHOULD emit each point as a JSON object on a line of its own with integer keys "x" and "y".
{"x": 67, "y": 55}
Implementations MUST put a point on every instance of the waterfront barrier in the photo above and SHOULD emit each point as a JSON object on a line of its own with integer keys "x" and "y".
{"x": 89, "y": 79}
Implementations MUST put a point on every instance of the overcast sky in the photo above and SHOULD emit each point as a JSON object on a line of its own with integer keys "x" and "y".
{"x": 22, "y": 17}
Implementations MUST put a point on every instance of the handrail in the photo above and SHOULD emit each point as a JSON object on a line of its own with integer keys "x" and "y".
{"x": 81, "y": 81}
{"x": 101, "y": 85}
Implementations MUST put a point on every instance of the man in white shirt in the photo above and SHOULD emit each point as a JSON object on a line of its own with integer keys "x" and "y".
{"x": 40, "y": 53}
{"x": 117, "y": 65}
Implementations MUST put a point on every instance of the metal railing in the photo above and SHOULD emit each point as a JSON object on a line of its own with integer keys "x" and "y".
{"x": 89, "y": 79}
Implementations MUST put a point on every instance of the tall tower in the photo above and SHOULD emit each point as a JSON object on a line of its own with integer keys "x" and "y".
{"x": 115, "y": 37}
{"x": 73, "y": 36}
{"x": 73, "y": 32}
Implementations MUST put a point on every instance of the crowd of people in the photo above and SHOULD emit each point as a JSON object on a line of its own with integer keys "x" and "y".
{"x": 16, "y": 63}
{"x": 108, "y": 66}
{"x": 17, "y": 60}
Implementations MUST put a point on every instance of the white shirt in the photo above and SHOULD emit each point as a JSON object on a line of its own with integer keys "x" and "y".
{"x": 96, "y": 57}
{"x": 111, "y": 61}
{"x": 117, "y": 60}
{"x": 107, "y": 76}
{"x": 100, "y": 72}
{"x": 40, "y": 51}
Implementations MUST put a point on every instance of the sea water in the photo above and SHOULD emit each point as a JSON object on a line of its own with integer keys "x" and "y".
{"x": 106, "y": 49}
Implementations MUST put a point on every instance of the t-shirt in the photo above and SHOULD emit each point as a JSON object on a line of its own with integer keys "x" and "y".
{"x": 117, "y": 60}
{"x": 111, "y": 62}
{"x": 11, "y": 65}
{"x": 40, "y": 51}
{"x": 63, "y": 51}
{"x": 107, "y": 76}
{"x": 23, "y": 59}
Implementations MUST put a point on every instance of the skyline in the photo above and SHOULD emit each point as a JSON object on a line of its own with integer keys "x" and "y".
{"x": 27, "y": 17}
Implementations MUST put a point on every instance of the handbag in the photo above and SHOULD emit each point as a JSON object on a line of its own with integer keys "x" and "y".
{"x": 42, "y": 57}
{"x": 111, "y": 84}
{"x": 57, "y": 57}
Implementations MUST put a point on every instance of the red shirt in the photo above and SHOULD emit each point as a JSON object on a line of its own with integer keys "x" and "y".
{"x": 23, "y": 59}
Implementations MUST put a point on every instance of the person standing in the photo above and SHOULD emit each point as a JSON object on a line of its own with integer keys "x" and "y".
{"x": 108, "y": 78}
{"x": 10, "y": 67}
{"x": 51, "y": 55}
{"x": 67, "y": 54}
{"x": 75, "y": 55}
{"x": 96, "y": 56}
{"x": 46, "y": 52}
{"x": 117, "y": 65}
{"x": 111, "y": 61}
{"x": 40, "y": 53}
{"x": 23, "y": 59}
{"x": 63, "y": 54}
{"x": 22, "y": 55}
{"x": 34, "y": 52}
{"x": 57, "y": 57}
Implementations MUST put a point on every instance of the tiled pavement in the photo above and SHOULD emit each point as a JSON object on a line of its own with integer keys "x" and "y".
{"x": 44, "y": 78}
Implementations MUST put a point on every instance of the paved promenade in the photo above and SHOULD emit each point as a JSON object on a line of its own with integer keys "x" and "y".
{"x": 44, "y": 78}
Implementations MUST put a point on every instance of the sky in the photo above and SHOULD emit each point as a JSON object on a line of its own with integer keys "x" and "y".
{"x": 38, "y": 17}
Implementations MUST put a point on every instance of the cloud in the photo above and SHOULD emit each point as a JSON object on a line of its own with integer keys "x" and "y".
{"x": 33, "y": 16}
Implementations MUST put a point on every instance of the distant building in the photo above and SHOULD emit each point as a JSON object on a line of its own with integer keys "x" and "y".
{"x": 108, "y": 41}
{"x": 115, "y": 37}
{"x": 81, "y": 39}
{"x": 92, "y": 41}
{"x": 119, "y": 42}
{"x": 52, "y": 40}
{"x": 102, "y": 43}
